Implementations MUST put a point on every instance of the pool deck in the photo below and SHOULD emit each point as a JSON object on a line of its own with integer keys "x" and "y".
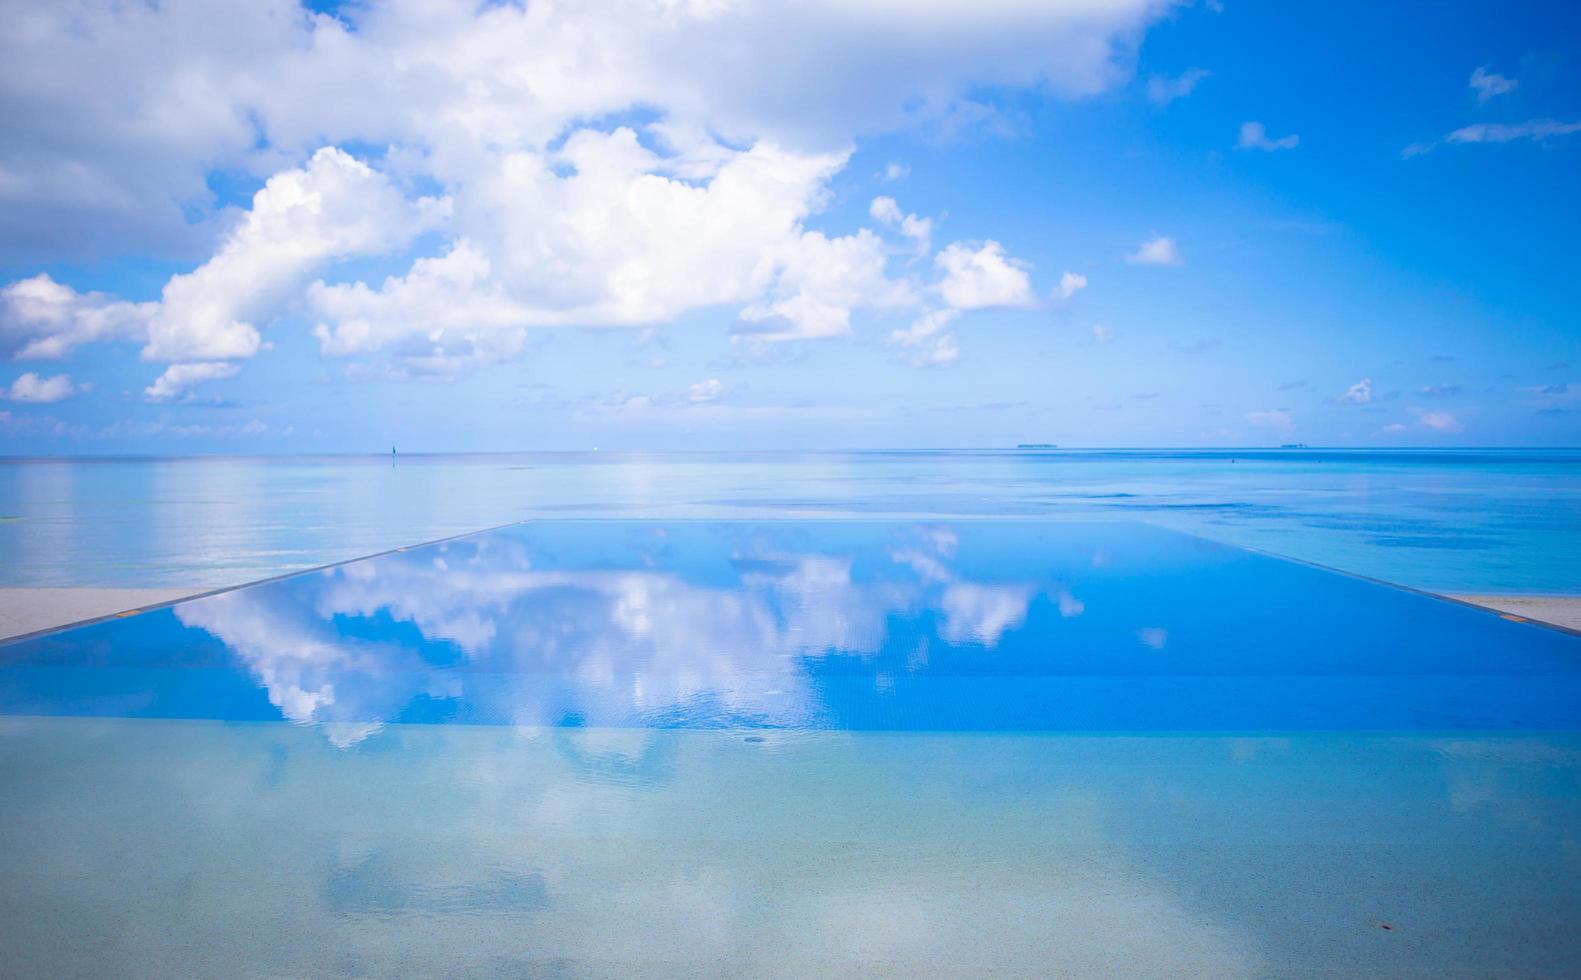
{"x": 1556, "y": 610}
{"x": 28, "y": 610}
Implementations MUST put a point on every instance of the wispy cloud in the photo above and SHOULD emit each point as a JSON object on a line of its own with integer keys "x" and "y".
{"x": 1359, "y": 393}
{"x": 1164, "y": 89}
{"x": 929, "y": 343}
{"x": 893, "y": 171}
{"x": 1438, "y": 421}
{"x": 886, "y": 211}
{"x": 1278, "y": 419}
{"x": 1070, "y": 283}
{"x": 1158, "y": 250}
{"x": 1489, "y": 84}
{"x": 1538, "y": 130}
{"x": 1254, "y": 136}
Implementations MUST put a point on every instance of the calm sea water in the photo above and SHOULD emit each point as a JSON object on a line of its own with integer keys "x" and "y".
{"x": 1464, "y": 521}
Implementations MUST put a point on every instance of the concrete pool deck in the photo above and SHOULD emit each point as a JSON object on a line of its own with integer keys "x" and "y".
{"x": 28, "y": 610}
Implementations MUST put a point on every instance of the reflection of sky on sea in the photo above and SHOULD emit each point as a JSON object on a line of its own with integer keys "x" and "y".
{"x": 972, "y": 626}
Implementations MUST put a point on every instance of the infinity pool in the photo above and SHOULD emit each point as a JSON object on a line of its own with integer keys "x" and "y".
{"x": 636, "y": 748}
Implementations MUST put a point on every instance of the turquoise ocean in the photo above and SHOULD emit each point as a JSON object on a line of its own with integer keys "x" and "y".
{"x": 1450, "y": 521}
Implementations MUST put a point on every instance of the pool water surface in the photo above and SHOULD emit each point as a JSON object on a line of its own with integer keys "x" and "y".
{"x": 609, "y": 748}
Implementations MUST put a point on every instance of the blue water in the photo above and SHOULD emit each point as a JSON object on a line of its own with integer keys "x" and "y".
{"x": 1461, "y": 521}
{"x": 692, "y": 747}
{"x": 816, "y": 625}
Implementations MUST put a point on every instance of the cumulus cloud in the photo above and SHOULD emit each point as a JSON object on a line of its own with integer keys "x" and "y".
{"x": 445, "y": 307}
{"x": 544, "y": 218}
{"x": 980, "y": 276}
{"x": 1070, "y": 283}
{"x": 1158, "y": 250}
{"x": 1102, "y": 334}
{"x": 1254, "y": 136}
{"x": 820, "y": 282}
{"x": 334, "y": 207}
{"x": 894, "y": 171}
{"x": 43, "y": 319}
{"x": 1490, "y": 84}
{"x": 1164, "y": 89}
{"x": 179, "y": 377}
{"x": 31, "y": 388}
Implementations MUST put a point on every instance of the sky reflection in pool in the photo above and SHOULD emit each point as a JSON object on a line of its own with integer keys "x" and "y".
{"x": 605, "y": 748}
{"x": 846, "y": 626}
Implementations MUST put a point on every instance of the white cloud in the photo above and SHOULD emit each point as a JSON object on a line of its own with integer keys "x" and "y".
{"x": 443, "y": 309}
{"x": 894, "y": 171}
{"x": 29, "y": 387}
{"x": 1359, "y": 393}
{"x": 1158, "y": 250}
{"x": 821, "y": 281}
{"x": 1278, "y": 419}
{"x": 179, "y": 377}
{"x": 1444, "y": 423}
{"x": 1437, "y": 421}
{"x": 43, "y": 319}
{"x": 1533, "y": 129}
{"x": 930, "y": 344}
{"x": 1163, "y": 89}
{"x": 1490, "y": 84}
{"x": 544, "y": 219}
{"x": 1070, "y": 283}
{"x": 886, "y": 211}
{"x": 333, "y": 207}
{"x": 705, "y": 391}
{"x": 160, "y": 95}
{"x": 980, "y": 276}
{"x": 1254, "y": 136}
{"x": 1102, "y": 334}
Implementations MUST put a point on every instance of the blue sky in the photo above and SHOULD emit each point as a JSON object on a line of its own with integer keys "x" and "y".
{"x": 614, "y": 225}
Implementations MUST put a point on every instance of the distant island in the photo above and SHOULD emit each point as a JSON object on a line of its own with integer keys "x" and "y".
{"x": 1036, "y": 445}
{"x": 1294, "y": 445}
